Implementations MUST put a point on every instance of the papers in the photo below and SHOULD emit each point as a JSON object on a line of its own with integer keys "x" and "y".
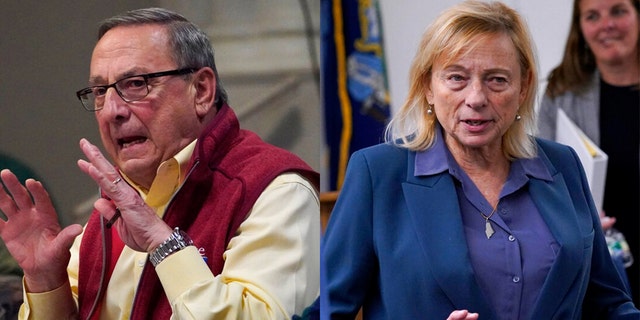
{"x": 593, "y": 159}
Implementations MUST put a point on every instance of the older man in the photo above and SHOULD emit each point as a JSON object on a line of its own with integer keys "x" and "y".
{"x": 198, "y": 218}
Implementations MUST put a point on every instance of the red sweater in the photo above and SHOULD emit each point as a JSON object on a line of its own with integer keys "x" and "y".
{"x": 229, "y": 169}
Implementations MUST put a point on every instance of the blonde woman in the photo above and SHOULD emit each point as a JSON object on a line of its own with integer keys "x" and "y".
{"x": 462, "y": 214}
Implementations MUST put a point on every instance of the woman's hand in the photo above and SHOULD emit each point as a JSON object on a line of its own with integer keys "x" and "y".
{"x": 606, "y": 222}
{"x": 462, "y": 315}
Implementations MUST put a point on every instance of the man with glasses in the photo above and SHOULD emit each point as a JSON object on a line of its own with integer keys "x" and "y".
{"x": 198, "y": 219}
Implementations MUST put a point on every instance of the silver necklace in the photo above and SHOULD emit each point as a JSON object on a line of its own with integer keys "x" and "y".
{"x": 488, "y": 229}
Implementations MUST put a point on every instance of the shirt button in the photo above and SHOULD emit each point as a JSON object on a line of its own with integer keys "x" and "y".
{"x": 516, "y": 279}
{"x": 141, "y": 263}
{"x": 504, "y": 211}
{"x": 512, "y": 238}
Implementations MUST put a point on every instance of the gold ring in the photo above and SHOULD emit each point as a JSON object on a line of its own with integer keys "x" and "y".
{"x": 117, "y": 180}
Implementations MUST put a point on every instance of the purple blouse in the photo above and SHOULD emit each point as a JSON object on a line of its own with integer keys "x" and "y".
{"x": 511, "y": 266}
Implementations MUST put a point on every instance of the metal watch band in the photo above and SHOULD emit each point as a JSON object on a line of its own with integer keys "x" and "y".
{"x": 177, "y": 241}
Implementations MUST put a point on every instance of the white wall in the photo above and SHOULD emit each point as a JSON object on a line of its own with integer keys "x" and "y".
{"x": 404, "y": 21}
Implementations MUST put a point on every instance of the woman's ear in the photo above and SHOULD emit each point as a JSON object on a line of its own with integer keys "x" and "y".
{"x": 429, "y": 95}
{"x": 204, "y": 82}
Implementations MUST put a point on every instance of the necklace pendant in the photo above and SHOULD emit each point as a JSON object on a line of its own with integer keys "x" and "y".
{"x": 488, "y": 229}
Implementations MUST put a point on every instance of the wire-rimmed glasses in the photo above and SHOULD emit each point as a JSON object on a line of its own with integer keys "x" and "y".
{"x": 132, "y": 88}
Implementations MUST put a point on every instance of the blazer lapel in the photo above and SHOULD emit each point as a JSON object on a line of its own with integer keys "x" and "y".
{"x": 433, "y": 207}
{"x": 435, "y": 213}
{"x": 554, "y": 203}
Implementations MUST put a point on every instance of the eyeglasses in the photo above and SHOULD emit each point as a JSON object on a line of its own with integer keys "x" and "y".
{"x": 132, "y": 88}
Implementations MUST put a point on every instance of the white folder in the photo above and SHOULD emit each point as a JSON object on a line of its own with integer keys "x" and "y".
{"x": 593, "y": 159}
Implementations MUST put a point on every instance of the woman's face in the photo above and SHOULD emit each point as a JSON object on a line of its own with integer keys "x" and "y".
{"x": 610, "y": 28}
{"x": 476, "y": 95}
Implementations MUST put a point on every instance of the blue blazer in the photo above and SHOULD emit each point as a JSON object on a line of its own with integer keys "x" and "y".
{"x": 395, "y": 245}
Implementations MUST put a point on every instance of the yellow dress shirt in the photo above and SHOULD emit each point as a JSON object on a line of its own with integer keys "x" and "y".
{"x": 271, "y": 266}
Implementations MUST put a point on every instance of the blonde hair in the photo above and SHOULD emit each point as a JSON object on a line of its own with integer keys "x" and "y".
{"x": 449, "y": 35}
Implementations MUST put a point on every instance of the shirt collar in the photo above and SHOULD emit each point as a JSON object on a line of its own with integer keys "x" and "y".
{"x": 438, "y": 159}
{"x": 434, "y": 159}
{"x": 169, "y": 175}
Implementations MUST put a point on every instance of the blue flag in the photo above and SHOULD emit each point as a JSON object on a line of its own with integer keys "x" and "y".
{"x": 355, "y": 97}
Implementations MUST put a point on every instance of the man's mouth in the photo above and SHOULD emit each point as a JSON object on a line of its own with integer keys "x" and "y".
{"x": 129, "y": 141}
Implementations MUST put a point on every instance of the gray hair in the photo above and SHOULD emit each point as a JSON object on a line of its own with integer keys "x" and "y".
{"x": 191, "y": 46}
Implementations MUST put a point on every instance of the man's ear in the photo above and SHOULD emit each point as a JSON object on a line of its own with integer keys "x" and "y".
{"x": 204, "y": 82}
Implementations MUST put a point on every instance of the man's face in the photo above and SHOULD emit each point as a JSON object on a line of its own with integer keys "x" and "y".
{"x": 139, "y": 135}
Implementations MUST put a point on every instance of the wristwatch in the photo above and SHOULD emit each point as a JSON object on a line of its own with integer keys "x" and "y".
{"x": 177, "y": 241}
